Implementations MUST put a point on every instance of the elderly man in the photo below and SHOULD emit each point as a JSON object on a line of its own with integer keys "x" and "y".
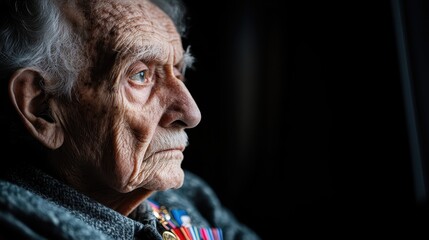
{"x": 98, "y": 86}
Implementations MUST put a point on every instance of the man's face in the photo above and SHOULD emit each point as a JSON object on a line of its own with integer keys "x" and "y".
{"x": 127, "y": 129}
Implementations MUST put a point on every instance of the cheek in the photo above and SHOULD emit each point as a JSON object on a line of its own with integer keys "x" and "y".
{"x": 142, "y": 111}
{"x": 136, "y": 96}
{"x": 87, "y": 126}
{"x": 142, "y": 121}
{"x": 132, "y": 133}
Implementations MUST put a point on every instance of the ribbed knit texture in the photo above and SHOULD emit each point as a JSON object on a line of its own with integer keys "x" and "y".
{"x": 34, "y": 205}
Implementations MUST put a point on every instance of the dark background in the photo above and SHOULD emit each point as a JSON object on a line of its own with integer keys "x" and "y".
{"x": 304, "y": 127}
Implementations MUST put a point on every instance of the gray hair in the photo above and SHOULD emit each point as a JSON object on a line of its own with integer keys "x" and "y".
{"x": 34, "y": 34}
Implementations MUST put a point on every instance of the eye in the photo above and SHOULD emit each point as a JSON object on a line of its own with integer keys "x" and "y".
{"x": 140, "y": 74}
{"x": 140, "y": 77}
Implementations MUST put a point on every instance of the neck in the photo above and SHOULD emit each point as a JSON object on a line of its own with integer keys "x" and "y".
{"x": 124, "y": 203}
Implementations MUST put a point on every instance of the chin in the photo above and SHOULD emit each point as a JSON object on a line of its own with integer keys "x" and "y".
{"x": 161, "y": 180}
{"x": 171, "y": 180}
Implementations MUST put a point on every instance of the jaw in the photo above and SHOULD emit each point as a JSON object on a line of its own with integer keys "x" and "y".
{"x": 123, "y": 203}
{"x": 159, "y": 173}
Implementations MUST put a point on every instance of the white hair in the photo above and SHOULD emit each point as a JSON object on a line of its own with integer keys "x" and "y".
{"x": 34, "y": 34}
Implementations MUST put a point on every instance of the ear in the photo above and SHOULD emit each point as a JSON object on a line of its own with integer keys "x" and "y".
{"x": 31, "y": 102}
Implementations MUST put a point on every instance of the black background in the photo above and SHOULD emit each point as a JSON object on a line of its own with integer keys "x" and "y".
{"x": 303, "y": 127}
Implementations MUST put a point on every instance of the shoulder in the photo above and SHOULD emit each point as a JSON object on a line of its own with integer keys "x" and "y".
{"x": 26, "y": 215}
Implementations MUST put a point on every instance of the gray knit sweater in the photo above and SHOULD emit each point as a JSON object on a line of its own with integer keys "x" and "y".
{"x": 34, "y": 205}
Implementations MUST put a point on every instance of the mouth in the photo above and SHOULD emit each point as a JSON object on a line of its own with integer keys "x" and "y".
{"x": 168, "y": 153}
{"x": 181, "y": 149}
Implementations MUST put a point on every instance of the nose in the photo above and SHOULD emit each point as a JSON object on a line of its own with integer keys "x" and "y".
{"x": 182, "y": 110}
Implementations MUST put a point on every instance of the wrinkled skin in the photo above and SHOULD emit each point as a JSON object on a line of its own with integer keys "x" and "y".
{"x": 124, "y": 131}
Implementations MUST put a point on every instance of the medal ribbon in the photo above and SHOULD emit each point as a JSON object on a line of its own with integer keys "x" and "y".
{"x": 178, "y": 222}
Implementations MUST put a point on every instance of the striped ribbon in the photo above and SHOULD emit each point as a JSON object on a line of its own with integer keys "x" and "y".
{"x": 178, "y": 222}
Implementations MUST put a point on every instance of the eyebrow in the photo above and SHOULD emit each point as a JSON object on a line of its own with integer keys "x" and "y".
{"x": 187, "y": 60}
{"x": 151, "y": 52}
{"x": 157, "y": 53}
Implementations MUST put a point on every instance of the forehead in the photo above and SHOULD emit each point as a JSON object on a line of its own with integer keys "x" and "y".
{"x": 134, "y": 27}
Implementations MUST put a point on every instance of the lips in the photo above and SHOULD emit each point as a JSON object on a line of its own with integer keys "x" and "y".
{"x": 181, "y": 149}
{"x": 167, "y": 154}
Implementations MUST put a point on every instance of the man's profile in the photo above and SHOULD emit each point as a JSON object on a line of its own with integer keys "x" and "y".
{"x": 94, "y": 94}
